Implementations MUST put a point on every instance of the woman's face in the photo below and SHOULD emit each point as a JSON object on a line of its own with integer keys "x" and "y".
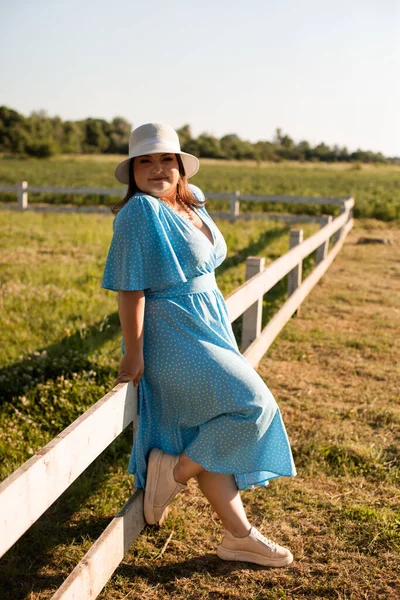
{"x": 157, "y": 174}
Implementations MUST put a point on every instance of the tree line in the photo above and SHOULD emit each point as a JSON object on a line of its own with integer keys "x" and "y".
{"x": 42, "y": 136}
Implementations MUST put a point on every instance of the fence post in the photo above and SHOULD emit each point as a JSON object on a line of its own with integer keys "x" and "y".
{"x": 22, "y": 195}
{"x": 251, "y": 323}
{"x": 234, "y": 207}
{"x": 351, "y": 214}
{"x": 322, "y": 251}
{"x": 336, "y": 236}
{"x": 295, "y": 275}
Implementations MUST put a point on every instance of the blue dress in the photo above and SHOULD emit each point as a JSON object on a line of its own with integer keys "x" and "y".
{"x": 198, "y": 394}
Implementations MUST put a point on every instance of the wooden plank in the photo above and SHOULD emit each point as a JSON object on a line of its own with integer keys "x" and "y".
{"x": 338, "y": 234}
{"x": 295, "y": 275}
{"x": 268, "y": 216}
{"x": 290, "y": 199}
{"x": 322, "y": 251}
{"x": 246, "y": 294}
{"x": 38, "y": 189}
{"x": 8, "y": 188}
{"x": 57, "y": 208}
{"x": 234, "y": 206}
{"x": 92, "y": 573}
{"x": 31, "y": 489}
{"x": 251, "y": 325}
{"x": 258, "y": 348}
{"x": 22, "y": 195}
{"x": 84, "y": 191}
{"x": 275, "y": 198}
{"x": 9, "y": 206}
{"x": 290, "y": 218}
{"x": 219, "y": 195}
{"x": 349, "y": 204}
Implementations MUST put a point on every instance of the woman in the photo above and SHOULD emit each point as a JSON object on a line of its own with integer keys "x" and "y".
{"x": 204, "y": 412}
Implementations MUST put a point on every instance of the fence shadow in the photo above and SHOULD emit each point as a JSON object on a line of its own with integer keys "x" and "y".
{"x": 57, "y": 528}
{"x": 273, "y": 300}
{"x": 70, "y": 354}
{"x": 276, "y": 296}
{"x": 167, "y": 574}
{"x": 266, "y": 238}
{"x": 66, "y": 356}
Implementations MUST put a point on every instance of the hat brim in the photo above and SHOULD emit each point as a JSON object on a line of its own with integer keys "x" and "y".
{"x": 190, "y": 162}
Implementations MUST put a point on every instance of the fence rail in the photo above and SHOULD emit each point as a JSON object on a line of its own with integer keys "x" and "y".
{"x": 32, "y": 489}
{"x": 22, "y": 189}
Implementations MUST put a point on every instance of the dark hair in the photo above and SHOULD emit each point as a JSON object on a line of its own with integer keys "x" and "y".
{"x": 182, "y": 190}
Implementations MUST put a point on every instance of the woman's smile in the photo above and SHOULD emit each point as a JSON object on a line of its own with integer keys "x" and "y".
{"x": 157, "y": 174}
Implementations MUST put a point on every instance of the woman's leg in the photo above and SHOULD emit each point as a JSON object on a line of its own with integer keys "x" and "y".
{"x": 240, "y": 541}
{"x": 186, "y": 468}
{"x": 221, "y": 491}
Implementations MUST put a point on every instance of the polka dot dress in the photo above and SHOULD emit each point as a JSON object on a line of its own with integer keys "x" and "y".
{"x": 198, "y": 393}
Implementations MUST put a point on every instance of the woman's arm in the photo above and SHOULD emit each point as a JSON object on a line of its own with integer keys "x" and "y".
{"x": 131, "y": 315}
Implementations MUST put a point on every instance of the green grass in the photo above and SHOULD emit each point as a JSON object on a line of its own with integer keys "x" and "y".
{"x": 60, "y": 330}
{"x": 375, "y": 188}
{"x": 334, "y": 371}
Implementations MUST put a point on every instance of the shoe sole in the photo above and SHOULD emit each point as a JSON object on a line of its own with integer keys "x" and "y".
{"x": 244, "y": 556}
{"x": 153, "y": 470}
{"x": 161, "y": 520}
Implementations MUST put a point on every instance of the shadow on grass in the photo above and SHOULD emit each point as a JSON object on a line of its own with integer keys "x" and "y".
{"x": 22, "y": 567}
{"x": 252, "y": 249}
{"x": 68, "y": 355}
{"x": 153, "y": 574}
{"x": 273, "y": 300}
{"x": 167, "y": 575}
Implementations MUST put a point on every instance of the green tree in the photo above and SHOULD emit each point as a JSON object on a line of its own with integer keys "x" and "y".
{"x": 209, "y": 146}
{"x": 120, "y": 130}
{"x": 230, "y": 145}
{"x": 14, "y": 135}
{"x": 266, "y": 151}
{"x": 304, "y": 150}
{"x": 323, "y": 152}
{"x": 72, "y": 138}
{"x": 42, "y": 142}
{"x": 185, "y": 136}
{"x": 285, "y": 146}
{"x": 96, "y": 133}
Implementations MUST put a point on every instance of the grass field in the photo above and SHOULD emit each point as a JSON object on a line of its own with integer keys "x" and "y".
{"x": 375, "y": 188}
{"x": 334, "y": 371}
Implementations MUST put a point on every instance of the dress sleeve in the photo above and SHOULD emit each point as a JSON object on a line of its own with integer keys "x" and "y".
{"x": 141, "y": 255}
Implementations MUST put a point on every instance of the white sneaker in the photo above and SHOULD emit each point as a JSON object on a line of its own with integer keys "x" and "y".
{"x": 161, "y": 487}
{"x": 254, "y": 548}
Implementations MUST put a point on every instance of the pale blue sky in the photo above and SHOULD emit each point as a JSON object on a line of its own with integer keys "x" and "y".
{"x": 320, "y": 70}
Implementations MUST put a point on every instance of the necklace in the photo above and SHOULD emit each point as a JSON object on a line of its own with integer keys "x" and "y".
{"x": 182, "y": 204}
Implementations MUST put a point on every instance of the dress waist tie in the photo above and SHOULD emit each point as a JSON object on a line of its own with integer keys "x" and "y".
{"x": 202, "y": 283}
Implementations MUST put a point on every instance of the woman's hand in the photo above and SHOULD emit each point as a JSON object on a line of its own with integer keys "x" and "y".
{"x": 130, "y": 368}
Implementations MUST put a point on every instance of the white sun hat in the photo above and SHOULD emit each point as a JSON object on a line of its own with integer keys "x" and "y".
{"x": 151, "y": 138}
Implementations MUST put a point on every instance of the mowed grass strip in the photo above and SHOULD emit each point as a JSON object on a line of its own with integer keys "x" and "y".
{"x": 334, "y": 371}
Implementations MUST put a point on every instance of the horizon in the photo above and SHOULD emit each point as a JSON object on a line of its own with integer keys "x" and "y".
{"x": 46, "y": 115}
{"x": 247, "y": 70}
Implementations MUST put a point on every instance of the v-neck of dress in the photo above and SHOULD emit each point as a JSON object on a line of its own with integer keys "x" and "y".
{"x": 192, "y": 225}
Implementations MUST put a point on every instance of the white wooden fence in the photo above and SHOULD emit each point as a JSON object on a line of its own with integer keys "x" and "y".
{"x": 22, "y": 189}
{"x": 32, "y": 488}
